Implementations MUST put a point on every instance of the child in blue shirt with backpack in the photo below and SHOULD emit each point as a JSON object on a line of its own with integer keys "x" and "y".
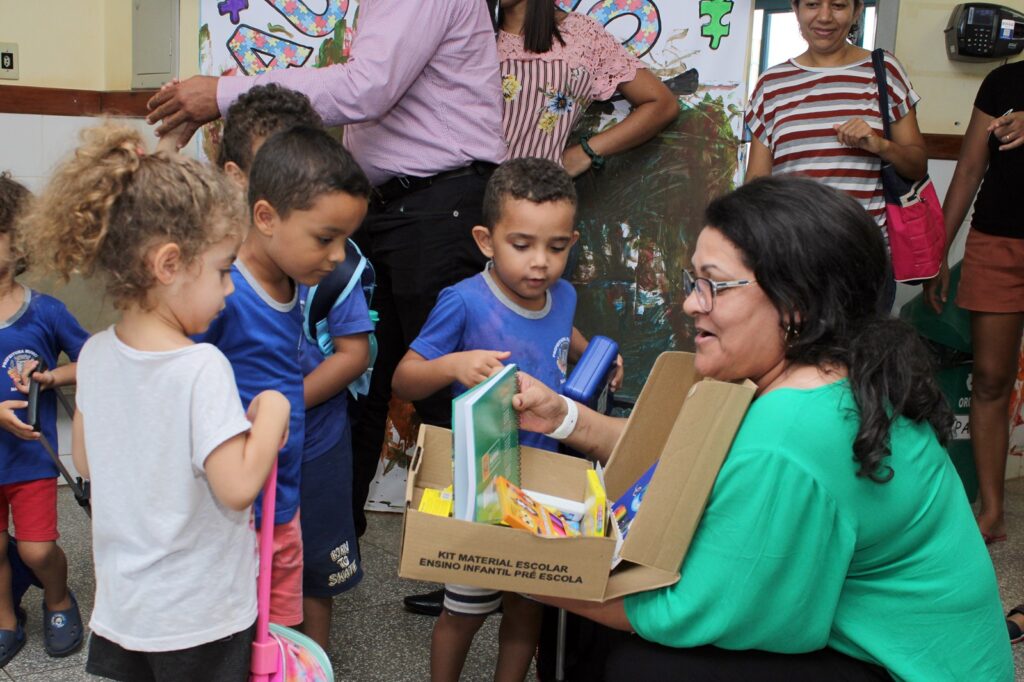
{"x": 519, "y": 310}
{"x": 33, "y": 327}
{"x": 329, "y": 555}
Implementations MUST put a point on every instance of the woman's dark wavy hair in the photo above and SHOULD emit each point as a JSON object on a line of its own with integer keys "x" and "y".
{"x": 820, "y": 259}
{"x": 540, "y": 26}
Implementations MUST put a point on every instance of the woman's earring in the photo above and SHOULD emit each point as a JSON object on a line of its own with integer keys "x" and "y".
{"x": 854, "y": 34}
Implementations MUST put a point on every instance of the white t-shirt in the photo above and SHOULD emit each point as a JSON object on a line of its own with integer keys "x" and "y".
{"x": 174, "y": 567}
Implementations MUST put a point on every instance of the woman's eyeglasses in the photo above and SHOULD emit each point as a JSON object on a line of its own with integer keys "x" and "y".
{"x": 707, "y": 289}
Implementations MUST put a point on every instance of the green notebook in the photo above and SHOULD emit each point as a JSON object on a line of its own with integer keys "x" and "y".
{"x": 485, "y": 429}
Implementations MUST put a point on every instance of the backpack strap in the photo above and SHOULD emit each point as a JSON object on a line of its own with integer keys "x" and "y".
{"x": 332, "y": 290}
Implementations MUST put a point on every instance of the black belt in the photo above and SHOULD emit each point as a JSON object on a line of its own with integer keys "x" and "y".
{"x": 403, "y": 185}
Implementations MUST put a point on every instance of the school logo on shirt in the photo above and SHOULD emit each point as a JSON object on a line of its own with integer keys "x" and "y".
{"x": 15, "y": 361}
{"x": 561, "y": 355}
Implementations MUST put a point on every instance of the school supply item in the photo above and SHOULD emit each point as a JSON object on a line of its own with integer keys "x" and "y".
{"x": 519, "y": 510}
{"x": 625, "y": 508}
{"x": 280, "y": 654}
{"x": 437, "y": 502}
{"x": 485, "y": 430}
{"x": 78, "y": 486}
{"x": 914, "y": 223}
{"x": 595, "y": 507}
{"x": 590, "y": 381}
{"x": 354, "y": 273}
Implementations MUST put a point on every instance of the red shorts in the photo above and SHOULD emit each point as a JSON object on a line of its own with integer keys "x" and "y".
{"x": 33, "y": 505}
{"x": 992, "y": 278}
{"x": 286, "y": 574}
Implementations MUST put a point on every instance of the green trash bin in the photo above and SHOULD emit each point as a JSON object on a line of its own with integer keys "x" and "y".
{"x": 948, "y": 334}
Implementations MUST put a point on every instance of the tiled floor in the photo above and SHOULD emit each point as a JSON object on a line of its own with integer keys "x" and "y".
{"x": 373, "y": 638}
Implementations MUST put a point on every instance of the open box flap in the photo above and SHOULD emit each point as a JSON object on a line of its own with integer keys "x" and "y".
{"x": 633, "y": 578}
{"x": 649, "y": 423}
{"x": 692, "y": 454}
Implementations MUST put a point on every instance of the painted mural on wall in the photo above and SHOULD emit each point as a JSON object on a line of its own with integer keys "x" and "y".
{"x": 638, "y": 216}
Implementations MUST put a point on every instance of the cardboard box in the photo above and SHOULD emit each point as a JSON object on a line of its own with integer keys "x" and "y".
{"x": 685, "y": 422}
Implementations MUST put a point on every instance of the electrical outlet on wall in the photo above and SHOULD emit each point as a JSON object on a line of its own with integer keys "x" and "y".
{"x": 9, "y": 61}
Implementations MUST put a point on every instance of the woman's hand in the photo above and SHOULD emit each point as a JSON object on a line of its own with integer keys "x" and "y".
{"x": 575, "y": 161}
{"x": 858, "y": 134}
{"x": 936, "y": 289}
{"x": 541, "y": 410}
{"x": 1009, "y": 130}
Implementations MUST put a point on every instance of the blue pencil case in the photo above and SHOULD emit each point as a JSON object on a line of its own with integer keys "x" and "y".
{"x": 589, "y": 382}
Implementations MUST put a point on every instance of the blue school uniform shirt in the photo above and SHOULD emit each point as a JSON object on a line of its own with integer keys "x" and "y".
{"x": 41, "y": 328}
{"x": 325, "y": 423}
{"x": 260, "y": 338}
{"x": 476, "y": 315}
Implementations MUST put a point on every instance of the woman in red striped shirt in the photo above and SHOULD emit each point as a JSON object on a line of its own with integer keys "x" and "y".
{"x": 818, "y": 114}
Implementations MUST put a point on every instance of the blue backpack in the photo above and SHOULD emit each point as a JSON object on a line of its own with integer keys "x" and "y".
{"x": 352, "y": 274}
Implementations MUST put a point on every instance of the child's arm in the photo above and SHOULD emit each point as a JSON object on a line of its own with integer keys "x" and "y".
{"x": 416, "y": 377}
{"x": 351, "y": 358}
{"x": 238, "y": 467}
{"x": 578, "y": 343}
{"x": 78, "y": 444}
{"x": 51, "y": 378}
{"x": 10, "y": 422}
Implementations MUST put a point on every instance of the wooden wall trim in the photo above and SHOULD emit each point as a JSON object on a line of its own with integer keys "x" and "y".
{"x": 20, "y": 99}
{"x": 944, "y": 147}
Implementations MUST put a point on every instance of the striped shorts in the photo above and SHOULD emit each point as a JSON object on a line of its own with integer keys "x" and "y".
{"x": 464, "y": 600}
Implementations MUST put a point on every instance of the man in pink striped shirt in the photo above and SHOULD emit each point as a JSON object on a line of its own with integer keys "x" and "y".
{"x": 420, "y": 99}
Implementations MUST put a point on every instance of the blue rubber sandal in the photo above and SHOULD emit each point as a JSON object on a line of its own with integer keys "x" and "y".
{"x": 62, "y": 630}
{"x": 11, "y": 642}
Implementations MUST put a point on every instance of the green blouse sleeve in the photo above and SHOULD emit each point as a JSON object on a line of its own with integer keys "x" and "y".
{"x": 765, "y": 569}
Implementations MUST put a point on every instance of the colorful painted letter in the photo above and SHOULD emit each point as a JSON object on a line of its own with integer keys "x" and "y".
{"x": 315, "y": 24}
{"x": 257, "y": 52}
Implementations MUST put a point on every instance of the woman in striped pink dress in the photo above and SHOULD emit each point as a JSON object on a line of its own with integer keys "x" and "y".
{"x": 818, "y": 114}
{"x": 553, "y": 65}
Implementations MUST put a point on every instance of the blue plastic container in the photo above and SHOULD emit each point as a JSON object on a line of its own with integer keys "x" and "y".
{"x": 590, "y": 379}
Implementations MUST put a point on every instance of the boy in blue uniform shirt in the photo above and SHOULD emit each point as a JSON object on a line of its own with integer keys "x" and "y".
{"x": 517, "y": 310}
{"x": 306, "y": 197}
{"x": 330, "y": 554}
{"x": 33, "y": 327}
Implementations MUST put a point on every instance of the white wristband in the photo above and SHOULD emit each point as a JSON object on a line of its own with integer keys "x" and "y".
{"x": 568, "y": 424}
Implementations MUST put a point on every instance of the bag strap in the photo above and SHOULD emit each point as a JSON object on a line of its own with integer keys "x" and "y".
{"x": 878, "y": 61}
{"x": 333, "y": 289}
{"x": 264, "y": 649}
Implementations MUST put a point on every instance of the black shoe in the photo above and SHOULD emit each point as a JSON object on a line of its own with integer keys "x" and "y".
{"x": 428, "y": 604}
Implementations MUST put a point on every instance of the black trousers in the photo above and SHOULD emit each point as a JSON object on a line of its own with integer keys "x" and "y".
{"x": 595, "y": 653}
{"x": 418, "y": 244}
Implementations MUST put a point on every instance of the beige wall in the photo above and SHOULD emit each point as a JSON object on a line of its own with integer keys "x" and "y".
{"x": 85, "y": 44}
{"x": 62, "y": 47}
{"x": 947, "y": 88}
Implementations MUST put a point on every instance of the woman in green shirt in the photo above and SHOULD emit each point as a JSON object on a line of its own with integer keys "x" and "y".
{"x": 837, "y": 542}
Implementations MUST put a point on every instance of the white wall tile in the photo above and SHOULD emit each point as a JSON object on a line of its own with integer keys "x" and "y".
{"x": 60, "y": 137}
{"x": 21, "y": 142}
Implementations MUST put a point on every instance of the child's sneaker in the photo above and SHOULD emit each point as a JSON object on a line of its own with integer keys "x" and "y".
{"x": 11, "y": 642}
{"x": 62, "y": 630}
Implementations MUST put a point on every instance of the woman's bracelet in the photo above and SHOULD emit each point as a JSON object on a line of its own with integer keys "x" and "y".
{"x": 596, "y": 160}
{"x": 568, "y": 424}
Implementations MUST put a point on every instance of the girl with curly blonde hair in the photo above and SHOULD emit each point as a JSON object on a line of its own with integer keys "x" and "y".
{"x": 174, "y": 461}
